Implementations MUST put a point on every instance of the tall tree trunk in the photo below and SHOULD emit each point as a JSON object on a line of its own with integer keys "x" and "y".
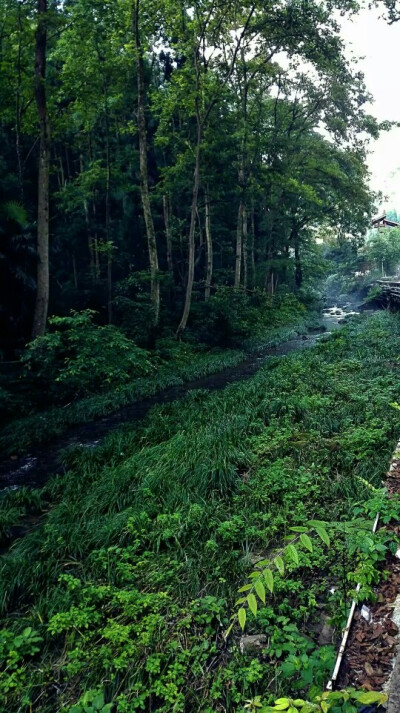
{"x": 209, "y": 245}
{"x": 245, "y": 246}
{"x": 298, "y": 270}
{"x": 96, "y": 239}
{"x": 269, "y": 275}
{"x": 42, "y": 294}
{"x": 144, "y": 173}
{"x": 74, "y": 270}
{"x": 89, "y": 233}
{"x": 109, "y": 284}
{"x": 252, "y": 246}
{"x": 239, "y": 238}
{"x": 193, "y": 215}
{"x": 167, "y": 224}
{"x": 18, "y": 112}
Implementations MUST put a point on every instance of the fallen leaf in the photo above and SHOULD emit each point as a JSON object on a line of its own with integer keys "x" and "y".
{"x": 368, "y": 669}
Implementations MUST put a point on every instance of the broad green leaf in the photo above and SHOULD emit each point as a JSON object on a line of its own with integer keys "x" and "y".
{"x": 316, "y": 523}
{"x": 245, "y": 588}
{"x": 263, "y": 563}
{"x": 280, "y": 566}
{"x": 322, "y": 533}
{"x": 372, "y": 697}
{"x": 260, "y": 589}
{"x": 98, "y": 701}
{"x": 306, "y": 542}
{"x": 242, "y": 617}
{"x": 293, "y": 554}
{"x": 282, "y": 704}
{"x": 299, "y": 528}
{"x": 269, "y": 579}
{"x": 252, "y": 602}
{"x": 240, "y": 601}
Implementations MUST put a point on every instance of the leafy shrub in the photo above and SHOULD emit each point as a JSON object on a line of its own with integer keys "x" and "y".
{"x": 232, "y": 316}
{"x": 79, "y": 357}
{"x": 14, "y": 650}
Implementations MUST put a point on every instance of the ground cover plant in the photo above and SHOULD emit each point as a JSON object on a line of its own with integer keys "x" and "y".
{"x": 120, "y": 596}
{"x": 88, "y": 370}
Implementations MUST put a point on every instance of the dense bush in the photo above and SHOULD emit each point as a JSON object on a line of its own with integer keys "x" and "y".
{"x": 78, "y": 357}
{"x": 230, "y": 317}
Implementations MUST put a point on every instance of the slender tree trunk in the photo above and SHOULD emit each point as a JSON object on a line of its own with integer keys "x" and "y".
{"x": 109, "y": 284}
{"x": 18, "y": 112}
{"x": 74, "y": 270}
{"x": 89, "y": 234}
{"x": 42, "y": 294}
{"x": 245, "y": 246}
{"x": 167, "y": 224}
{"x": 61, "y": 172}
{"x": 252, "y": 247}
{"x": 108, "y": 163}
{"x": 96, "y": 240}
{"x": 239, "y": 238}
{"x": 144, "y": 174}
{"x": 269, "y": 275}
{"x": 298, "y": 270}
{"x": 209, "y": 245}
{"x": 193, "y": 215}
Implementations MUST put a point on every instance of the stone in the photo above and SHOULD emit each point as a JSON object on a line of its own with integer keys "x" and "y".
{"x": 253, "y": 644}
{"x": 327, "y": 632}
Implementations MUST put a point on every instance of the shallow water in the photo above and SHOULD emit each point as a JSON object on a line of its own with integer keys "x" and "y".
{"x": 43, "y": 461}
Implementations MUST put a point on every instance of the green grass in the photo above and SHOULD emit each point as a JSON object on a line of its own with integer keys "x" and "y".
{"x": 185, "y": 363}
{"x": 130, "y": 578}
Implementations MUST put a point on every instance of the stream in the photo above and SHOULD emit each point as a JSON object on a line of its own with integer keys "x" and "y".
{"x": 34, "y": 468}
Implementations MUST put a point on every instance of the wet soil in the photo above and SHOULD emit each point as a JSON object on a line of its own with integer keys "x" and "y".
{"x": 34, "y": 468}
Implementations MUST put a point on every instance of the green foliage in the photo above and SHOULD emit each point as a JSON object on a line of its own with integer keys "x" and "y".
{"x": 129, "y": 575}
{"x": 230, "y": 317}
{"x": 15, "y": 650}
{"x": 347, "y": 701}
{"x": 172, "y": 363}
{"x": 91, "y": 702}
{"x": 79, "y": 357}
{"x": 14, "y": 506}
{"x": 383, "y": 250}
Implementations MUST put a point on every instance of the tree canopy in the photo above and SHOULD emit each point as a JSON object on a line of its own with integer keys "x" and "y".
{"x": 174, "y": 148}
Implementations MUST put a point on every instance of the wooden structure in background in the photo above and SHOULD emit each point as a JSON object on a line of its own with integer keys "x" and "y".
{"x": 390, "y": 291}
{"x": 383, "y": 222}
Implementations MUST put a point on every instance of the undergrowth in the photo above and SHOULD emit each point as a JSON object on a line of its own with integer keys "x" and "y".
{"x": 123, "y": 590}
{"x": 171, "y": 364}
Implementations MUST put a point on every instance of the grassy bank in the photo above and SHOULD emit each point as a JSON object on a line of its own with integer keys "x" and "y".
{"x": 173, "y": 366}
{"x": 125, "y": 586}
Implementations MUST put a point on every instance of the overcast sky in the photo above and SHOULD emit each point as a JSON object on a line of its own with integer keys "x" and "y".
{"x": 378, "y": 43}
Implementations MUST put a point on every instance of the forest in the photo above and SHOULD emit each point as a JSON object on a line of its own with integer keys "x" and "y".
{"x": 199, "y": 381}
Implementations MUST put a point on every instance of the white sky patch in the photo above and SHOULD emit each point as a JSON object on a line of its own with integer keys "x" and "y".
{"x": 378, "y": 44}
